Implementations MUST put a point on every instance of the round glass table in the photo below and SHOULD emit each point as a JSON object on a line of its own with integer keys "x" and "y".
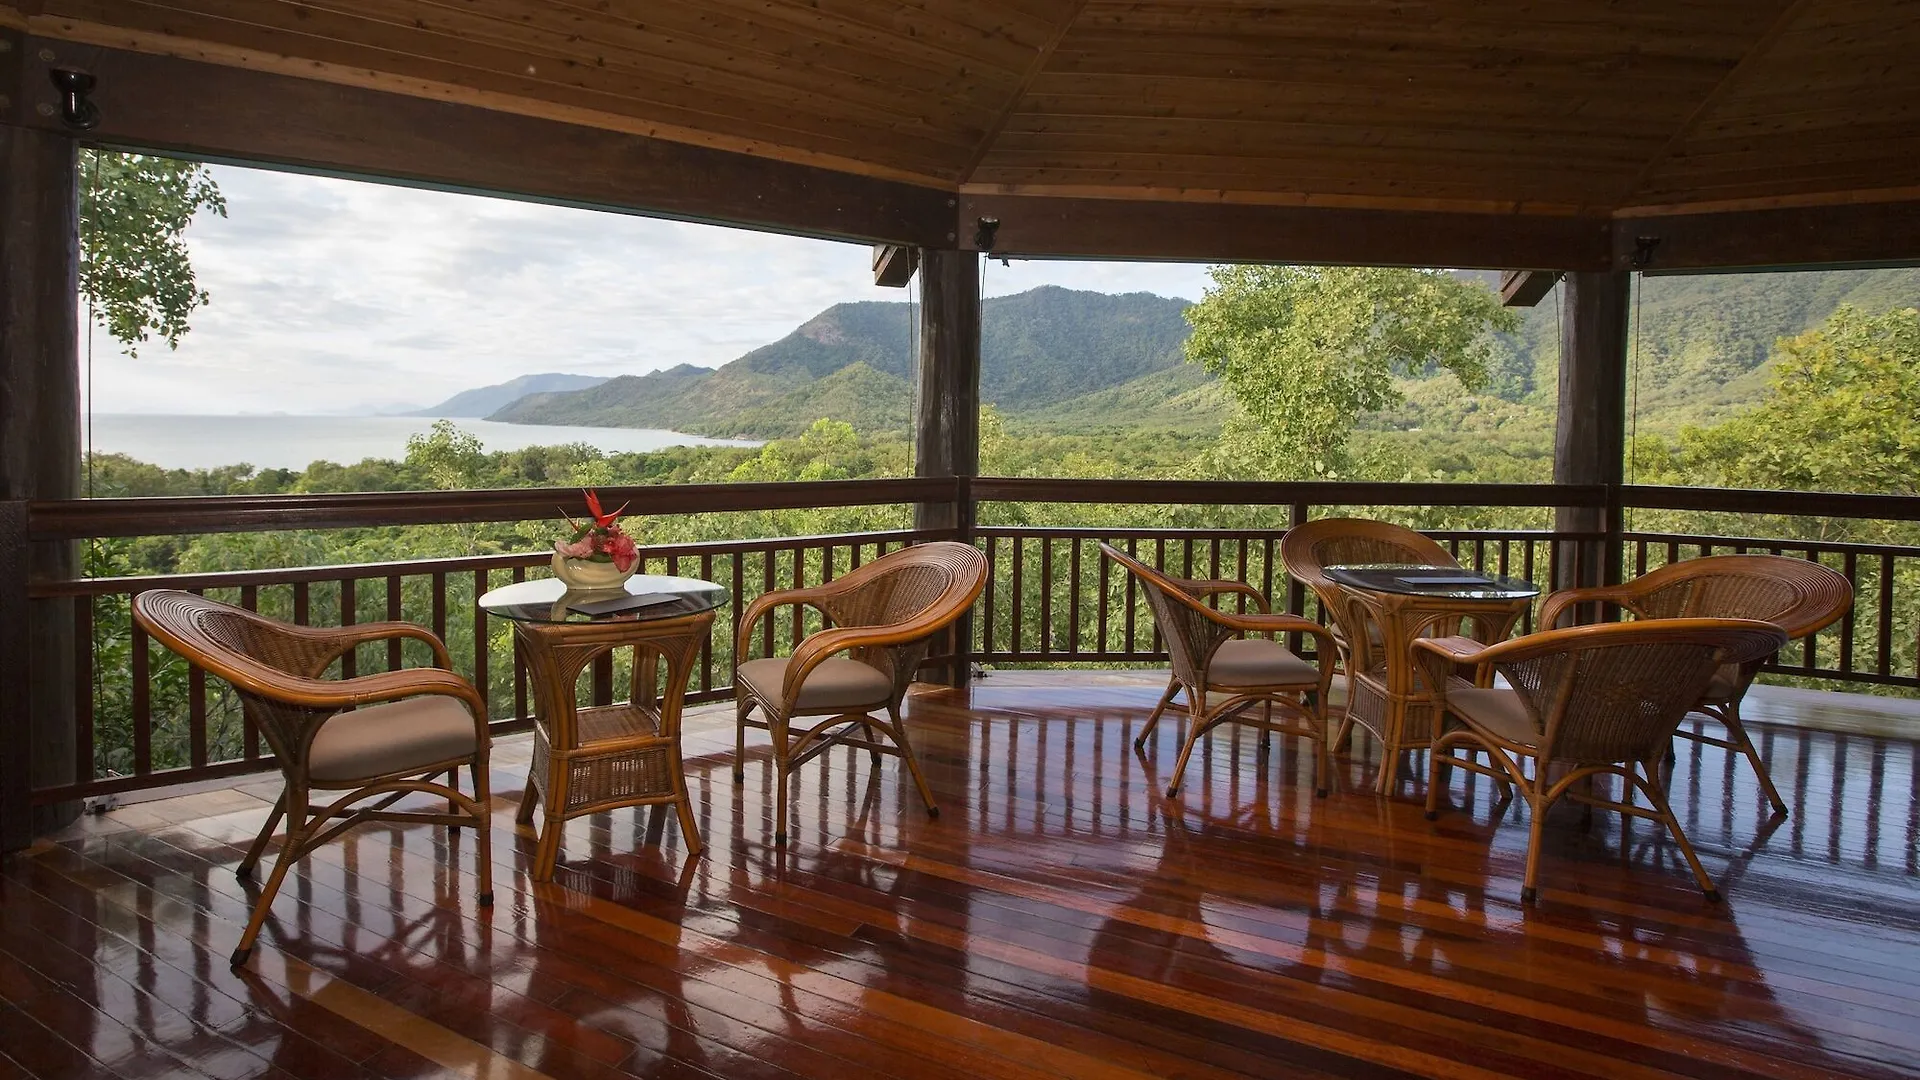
{"x": 602, "y": 757}
{"x": 1389, "y": 693}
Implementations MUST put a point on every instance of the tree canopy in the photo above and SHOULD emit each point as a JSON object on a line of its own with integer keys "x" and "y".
{"x": 1306, "y": 349}
{"x": 134, "y": 266}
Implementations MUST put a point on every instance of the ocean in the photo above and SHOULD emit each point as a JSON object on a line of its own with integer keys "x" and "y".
{"x": 294, "y": 442}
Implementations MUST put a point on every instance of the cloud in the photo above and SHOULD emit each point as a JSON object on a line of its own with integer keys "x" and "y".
{"x": 340, "y": 296}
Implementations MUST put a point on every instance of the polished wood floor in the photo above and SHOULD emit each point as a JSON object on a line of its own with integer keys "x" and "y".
{"x": 1059, "y": 919}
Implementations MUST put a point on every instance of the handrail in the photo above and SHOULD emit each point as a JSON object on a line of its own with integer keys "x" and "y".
{"x": 1282, "y": 492}
{"x": 230, "y": 579}
{"x": 1777, "y": 503}
{"x": 78, "y": 519}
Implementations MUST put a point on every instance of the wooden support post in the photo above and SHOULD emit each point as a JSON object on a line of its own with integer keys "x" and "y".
{"x": 39, "y": 445}
{"x": 1589, "y": 445}
{"x": 946, "y": 432}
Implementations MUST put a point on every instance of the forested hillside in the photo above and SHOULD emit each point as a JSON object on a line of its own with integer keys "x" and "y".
{"x": 1066, "y": 361}
{"x": 853, "y": 363}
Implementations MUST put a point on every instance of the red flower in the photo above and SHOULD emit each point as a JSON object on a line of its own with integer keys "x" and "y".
{"x": 623, "y": 549}
{"x": 601, "y": 517}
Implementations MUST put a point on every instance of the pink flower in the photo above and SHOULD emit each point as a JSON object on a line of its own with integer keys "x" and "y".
{"x": 623, "y": 550}
{"x": 576, "y": 549}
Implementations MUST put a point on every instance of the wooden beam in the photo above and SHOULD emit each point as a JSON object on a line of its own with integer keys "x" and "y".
{"x": 1240, "y": 232}
{"x": 1834, "y": 236}
{"x": 213, "y": 111}
{"x": 39, "y": 436}
{"x": 946, "y": 426}
{"x": 1590, "y": 431}
{"x": 894, "y": 264}
{"x": 1525, "y": 288}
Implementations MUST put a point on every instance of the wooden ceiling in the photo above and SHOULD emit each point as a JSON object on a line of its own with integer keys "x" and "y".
{"x": 1548, "y": 106}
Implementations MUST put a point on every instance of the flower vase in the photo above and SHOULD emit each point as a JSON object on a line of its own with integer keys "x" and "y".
{"x": 586, "y": 575}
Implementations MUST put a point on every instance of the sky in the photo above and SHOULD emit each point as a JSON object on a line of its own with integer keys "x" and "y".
{"x": 337, "y": 296}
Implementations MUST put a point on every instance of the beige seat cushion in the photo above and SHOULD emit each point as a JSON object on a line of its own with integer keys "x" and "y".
{"x": 1500, "y": 712}
{"x": 839, "y": 682}
{"x": 397, "y": 737}
{"x": 1258, "y": 662}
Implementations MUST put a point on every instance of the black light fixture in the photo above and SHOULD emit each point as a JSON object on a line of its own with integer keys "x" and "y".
{"x": 76, "y": 111}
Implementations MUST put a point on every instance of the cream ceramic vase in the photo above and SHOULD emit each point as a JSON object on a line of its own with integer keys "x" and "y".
{"x": 585, "y": 575}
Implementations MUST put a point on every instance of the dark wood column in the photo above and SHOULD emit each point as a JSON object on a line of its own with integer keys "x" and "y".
{"x": 946, "y": 424}
{"x": 39, "y": 453}
{"x": 1589, "y": 443}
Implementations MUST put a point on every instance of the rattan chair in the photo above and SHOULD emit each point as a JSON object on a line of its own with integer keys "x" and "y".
{"x": 379, "y": 736}
{"x": 1799, "y": 596}
{"x": 1308, "y": 549}
{"x": 882, "y": 617}
{"x": 1590, "y": 700}
{"x": 1212, "y": 654}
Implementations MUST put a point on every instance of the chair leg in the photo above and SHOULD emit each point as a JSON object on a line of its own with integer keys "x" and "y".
{"x": 1433, "y": 778}
{"x": 1535, "y": 826}
{"x": 740, "y": 710}
{"x": 529, "y": 798}
{"x": 778, "y": 729}
{"x": 453, "y": 781}
{"x": 1662, "y": 808}
{"x": 289, "y": 854}
{"x": 245, "y": 870}
{"x": 546, "y": 853}
{"x": 873, "y": 751}
{"x": 1737, "y": 732}
{"x": 913, "y": 763}
{"x": 1166, "y": 699}
{"x": 1197, "y": 724}
{"x": 483, "y": 828}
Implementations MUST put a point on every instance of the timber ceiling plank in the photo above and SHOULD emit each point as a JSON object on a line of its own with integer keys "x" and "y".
{"x": 273, "y": 27}
{"x": 1831, "y": 101}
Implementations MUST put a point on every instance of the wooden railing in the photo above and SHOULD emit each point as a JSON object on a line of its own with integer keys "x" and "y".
{"x": 144, "y": 718}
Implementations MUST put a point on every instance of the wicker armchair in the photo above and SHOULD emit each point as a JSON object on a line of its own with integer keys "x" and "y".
{"x": 1592, "y": 700}
{"x": 377, "y": 736}
{"x": 882, "y": 618}
{"x": 1306, "y": 550}
{"x": 1799, "y": 596}
{"x": 1212, "y": 653}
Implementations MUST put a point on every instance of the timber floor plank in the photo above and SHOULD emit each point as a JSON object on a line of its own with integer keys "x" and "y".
{"x": 1060, "y": 918}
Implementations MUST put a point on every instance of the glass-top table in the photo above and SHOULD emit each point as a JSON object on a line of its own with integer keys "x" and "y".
{"x": 592, "y": 758}
{"x": 1449, "y": 582}
{"x": 1388, "y": 692}
{"x": 644, "y": 596}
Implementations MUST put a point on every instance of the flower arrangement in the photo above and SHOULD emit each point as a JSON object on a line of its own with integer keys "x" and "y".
{"x": 601, "y": 539}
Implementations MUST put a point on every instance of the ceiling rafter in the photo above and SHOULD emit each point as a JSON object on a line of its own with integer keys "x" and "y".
{"x": 1039, "y": 64}
{"x": 1749, "y": 61}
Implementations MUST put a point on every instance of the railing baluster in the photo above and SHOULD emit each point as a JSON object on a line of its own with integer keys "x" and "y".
{"x": 1133, "y": 612}
{"x": 519, "y": 662}
{"x": 1046, "y": 594}
{"x": 83, "y": 650}
{"x": 1073, "y": 595}
{"x": 349, "y": 661}
{"x": 1100, "y": 617}
{"x": 766, "y": 586}
{"x": 439, "y": 612}
{"x": 250, "y": 735}
{"x": 994, "y": 584}
{"x": 302, "y": 598}
{"x": 197, "y": 717}
{"x": 706, "y": 644}
{"x": 481, "y": 646}
{"x": 396, "y": 597}
{"x": 1019, "y": 546}
{"x": 1884, "y": 666}
{"x": 799, "y": 582}
{"x": 142, "y": 701}
{"x": 1849, "y": 566}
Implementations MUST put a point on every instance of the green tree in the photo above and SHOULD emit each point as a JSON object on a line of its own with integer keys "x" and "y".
{"x": 1305, "y": 350}
{"x": 134, "y": 267}
{"x": 1843, "y": 414}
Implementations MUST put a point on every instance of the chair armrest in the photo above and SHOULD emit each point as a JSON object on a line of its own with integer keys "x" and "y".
{"x": 1455, "y": 650}
{"x": 342, "y": 638}
{"x": 1281, "y": 624}
{"x": 364, "y": 690}
{"x": 1205, "y": 587}
{"x": 765, "y": 602}
{"x": 1560, "y": 601}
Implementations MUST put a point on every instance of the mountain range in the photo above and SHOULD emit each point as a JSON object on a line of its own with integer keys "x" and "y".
{"x": 483, "y": 401}
{"x": 1072, "y": 361}
{"x": 1042, "y": 349}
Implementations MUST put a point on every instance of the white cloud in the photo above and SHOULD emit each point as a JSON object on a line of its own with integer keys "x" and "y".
{"x": 335, "y": 296}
